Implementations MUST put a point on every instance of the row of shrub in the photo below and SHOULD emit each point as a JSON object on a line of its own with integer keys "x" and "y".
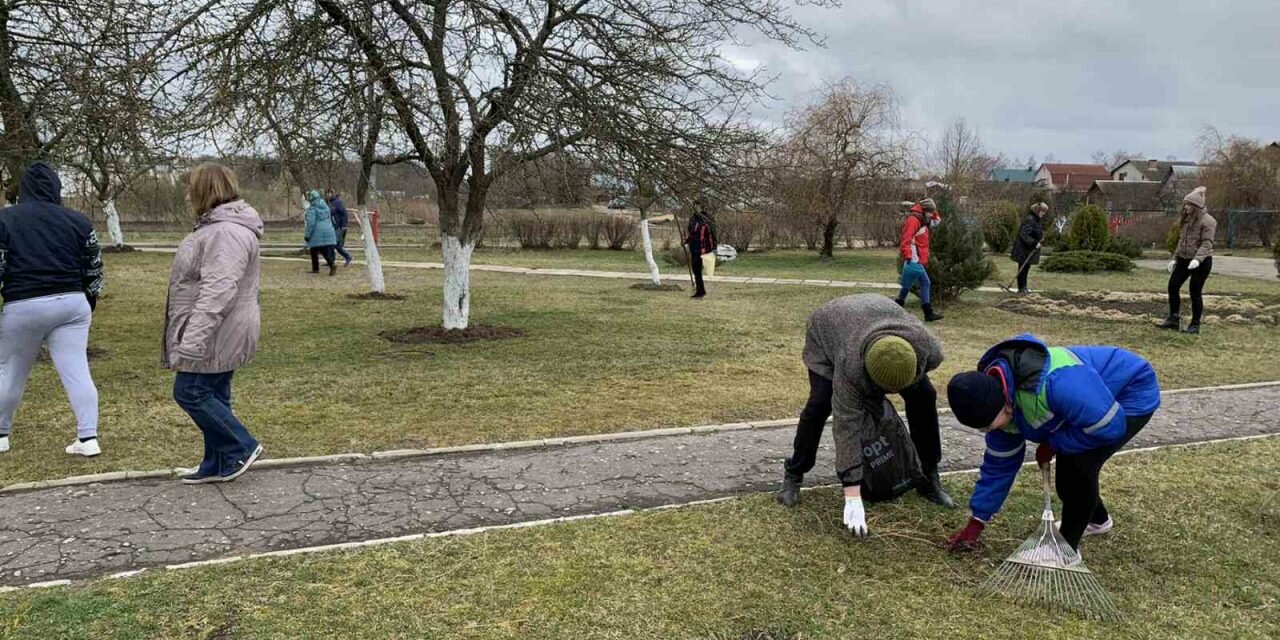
{"x": 567, "y": 229}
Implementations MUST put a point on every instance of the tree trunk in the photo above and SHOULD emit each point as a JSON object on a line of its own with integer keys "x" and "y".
{"x": 829, "y": 237}
{"x": 648, "y": 252}
{"x": 371, "y": 257}
{"x": 113, "y": 222}
{"x": 457, "y": 280}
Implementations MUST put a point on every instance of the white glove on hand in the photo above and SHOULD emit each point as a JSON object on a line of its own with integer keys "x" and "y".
{"x": 1173, "y": 264}
{"x": 855, "y": 517}
{"x": 1194, "y": 264}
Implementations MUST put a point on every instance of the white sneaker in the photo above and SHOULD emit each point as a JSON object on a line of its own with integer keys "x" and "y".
{"x": 87, "y": 449}
{"x": 4, "y": 444}
{"x": 1099, "y": 529}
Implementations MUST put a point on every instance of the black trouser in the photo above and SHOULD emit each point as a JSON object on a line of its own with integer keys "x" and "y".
{"x": 328, "y": 253}
{"x": 342, "y": 244}
{"x": 1022, "y": 275}
{"x": 1077, "y": 483}
{"x": 695, "y": 261}
{"x": 922, "y": 420}
{"x": 1179, "y": 276}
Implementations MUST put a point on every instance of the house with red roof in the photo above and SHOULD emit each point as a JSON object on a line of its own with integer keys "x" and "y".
{"x": 1070, "y": 178}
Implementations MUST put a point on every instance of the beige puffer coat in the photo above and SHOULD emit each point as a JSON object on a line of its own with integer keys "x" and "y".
{"x": 1196, "y": 236}
{"x": 212, "y": 315}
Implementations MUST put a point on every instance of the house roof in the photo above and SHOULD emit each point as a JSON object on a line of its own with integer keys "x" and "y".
{"x": 1159, "y": 171}
{"x": 1075, "y": 177}
{"x": 1013, "y": 175}
{"x": 1127, "y": 195}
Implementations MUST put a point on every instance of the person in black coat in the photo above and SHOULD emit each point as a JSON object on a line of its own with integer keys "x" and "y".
{"x": 1026, "y": 247}
{"x": 338, "y": 211}
{"x": 701, "y": 238}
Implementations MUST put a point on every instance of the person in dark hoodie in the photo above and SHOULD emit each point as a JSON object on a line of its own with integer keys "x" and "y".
{"x": 338, "y": 211}
{"x": 701, "y": 238}
{"x": 51, "y": 277}
{"x": 1081, "y": 404}
{"x": 211, "y": 323}
{"x": 1026, "y": 247}
{"x": 857, "y": 349}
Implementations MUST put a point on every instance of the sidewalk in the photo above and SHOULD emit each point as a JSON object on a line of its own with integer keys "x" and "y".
{"x": 1261, "y": 268}
{"x": 618, "y": 275}
{"x": 94, "y": 530}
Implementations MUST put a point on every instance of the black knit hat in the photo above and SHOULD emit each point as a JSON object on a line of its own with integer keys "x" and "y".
{"x": 976, "y": 399}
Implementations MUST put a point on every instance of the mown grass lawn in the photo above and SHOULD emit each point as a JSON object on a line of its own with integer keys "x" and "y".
{"x": 598, "y": 357}
{"x": 1194, "y": 555}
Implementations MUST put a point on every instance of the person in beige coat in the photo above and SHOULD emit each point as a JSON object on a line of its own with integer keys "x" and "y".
{"x": 1193, "y": 260}
{"x": 211, "y": 319}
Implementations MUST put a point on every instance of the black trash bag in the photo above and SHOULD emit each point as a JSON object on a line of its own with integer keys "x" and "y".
{"x": 890, "y": 465}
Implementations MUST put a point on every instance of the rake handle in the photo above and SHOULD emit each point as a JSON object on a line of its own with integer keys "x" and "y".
{"x": 1048, "y": 491}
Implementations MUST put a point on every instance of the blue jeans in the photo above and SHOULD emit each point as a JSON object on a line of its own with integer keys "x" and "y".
{"x": 912, "y": 273}
{"x": 342, "y": 244}
{"x": 206, "y": 397}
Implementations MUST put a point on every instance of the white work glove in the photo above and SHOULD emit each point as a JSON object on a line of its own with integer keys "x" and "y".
{"x": 1173, "y": 264}
{"x": 855, "y": 517}
{"x": 1194, "y": 264}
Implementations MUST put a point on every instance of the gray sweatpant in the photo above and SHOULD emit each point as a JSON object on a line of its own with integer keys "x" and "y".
{"x": 62, "y": 321}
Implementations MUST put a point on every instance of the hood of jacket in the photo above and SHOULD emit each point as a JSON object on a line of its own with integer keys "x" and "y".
{"x": 237, "y": 212}
{"x": 314, "y": 196}
{"x": 41, "y": 184}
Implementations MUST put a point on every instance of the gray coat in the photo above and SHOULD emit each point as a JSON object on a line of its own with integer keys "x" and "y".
{"x": 838, "y": 336}
{"x": 212, "y": 315}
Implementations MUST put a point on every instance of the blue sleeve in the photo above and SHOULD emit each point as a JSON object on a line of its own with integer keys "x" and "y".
{"x": 311, "y": 224}
{"x": 1000, "y": 464}
{"x": 1091, "y": 417}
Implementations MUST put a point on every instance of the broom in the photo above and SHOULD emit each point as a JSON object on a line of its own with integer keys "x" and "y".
{"x": 1009, "y": 287}
{"x": 1046, "y": 571}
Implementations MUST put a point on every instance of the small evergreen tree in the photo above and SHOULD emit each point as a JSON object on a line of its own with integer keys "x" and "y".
{"x": 956, "y": 261}
{"x": 1001, "y": 226}
{"x": 1173, "y": 237}
{"x": 1089, "y": 230}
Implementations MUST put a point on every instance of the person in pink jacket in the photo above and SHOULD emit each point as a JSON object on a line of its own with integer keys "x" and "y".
{"x": 211, "y": 319}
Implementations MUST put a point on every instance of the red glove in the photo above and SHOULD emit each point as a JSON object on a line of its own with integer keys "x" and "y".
{"x": 1044, "y": 454}
{"x": 967, "y": 538}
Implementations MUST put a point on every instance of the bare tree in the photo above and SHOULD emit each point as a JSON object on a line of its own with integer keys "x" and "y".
{"x": 477, "y": 87}
{"x": 960, "y": 158}
{"x": 1113, "y": 159}
{"x": 1241, "y": 173}
{"x": 833, "y": 148}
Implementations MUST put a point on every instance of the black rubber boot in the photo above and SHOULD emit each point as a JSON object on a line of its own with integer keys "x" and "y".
{"x": 1170, "y": 322}
{"x": 1193, "y": 329}
{"x": 901, "y": 303}
{"x": 931, "y": 488}
{"x": 929, "y": 315}
{"x": 789, "y": 494}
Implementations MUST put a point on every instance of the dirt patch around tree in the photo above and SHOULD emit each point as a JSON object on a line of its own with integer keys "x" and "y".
{"x": 649, "y": 286}
{"x": 124, "y": 248}
{"x": 437, "y": 335}
{"x": 1124, "y": 306}
{"x": 373, "y": 295}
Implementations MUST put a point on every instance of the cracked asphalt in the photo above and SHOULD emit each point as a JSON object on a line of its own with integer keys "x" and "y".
{"x": 87, "y": 531}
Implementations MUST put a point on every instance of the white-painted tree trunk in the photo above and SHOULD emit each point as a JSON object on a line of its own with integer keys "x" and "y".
{"x": 648, "y": 252}
{"x": 371, "y": 257}
{"x": 457, "y": 281}
{"x": 113, "y": 222}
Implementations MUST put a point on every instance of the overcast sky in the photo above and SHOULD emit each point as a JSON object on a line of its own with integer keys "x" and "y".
{"x": 1040, "y": 77}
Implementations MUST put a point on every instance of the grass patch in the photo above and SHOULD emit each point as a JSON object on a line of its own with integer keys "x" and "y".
{"x": 602, "y": 358}
{"x": 742, "y": 569}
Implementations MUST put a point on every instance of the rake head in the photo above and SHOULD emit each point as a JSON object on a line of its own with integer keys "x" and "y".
{"x": 1045, "y": 571}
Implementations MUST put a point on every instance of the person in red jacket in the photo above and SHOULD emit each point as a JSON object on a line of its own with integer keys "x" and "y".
{"x": 914, "y": 249}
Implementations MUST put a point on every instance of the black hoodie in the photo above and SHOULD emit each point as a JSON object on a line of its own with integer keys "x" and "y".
{"x": 47, "y": 249}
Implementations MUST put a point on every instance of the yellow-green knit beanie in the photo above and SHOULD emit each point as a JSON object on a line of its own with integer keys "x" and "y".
{"x": 891, "y": 363}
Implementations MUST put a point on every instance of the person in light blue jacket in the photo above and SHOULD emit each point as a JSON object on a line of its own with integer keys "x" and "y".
{"x": 1080, "y": 403}
{"x": 319, "y": 234}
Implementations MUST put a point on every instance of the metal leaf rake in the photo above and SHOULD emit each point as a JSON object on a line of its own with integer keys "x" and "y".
{"x": 1045, "y": 571}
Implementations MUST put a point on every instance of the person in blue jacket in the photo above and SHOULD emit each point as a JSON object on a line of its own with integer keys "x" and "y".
{"x": 319, "y": 234}
{"x": 1081, "y": 403}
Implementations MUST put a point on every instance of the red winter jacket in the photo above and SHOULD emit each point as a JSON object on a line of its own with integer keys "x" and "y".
{"x": 915, "y": 235}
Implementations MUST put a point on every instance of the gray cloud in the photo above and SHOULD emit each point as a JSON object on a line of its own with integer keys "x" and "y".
{"x": 1037, "y": 78}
